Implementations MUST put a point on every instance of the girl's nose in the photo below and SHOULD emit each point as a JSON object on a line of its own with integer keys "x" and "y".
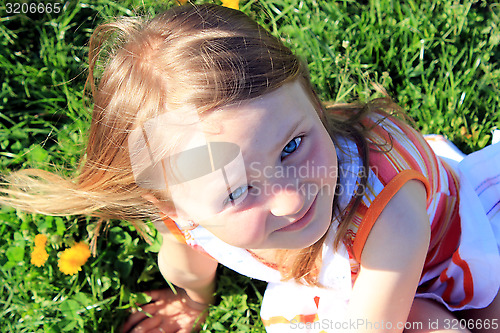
{"x": 286, "y": 202}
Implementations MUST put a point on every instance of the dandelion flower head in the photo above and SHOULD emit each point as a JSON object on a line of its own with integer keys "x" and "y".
{"x": 72, "y": 259}
{"x": 233, "y": 4}
{"x": 40, "y": 240}
{"x": 39, "y": 255}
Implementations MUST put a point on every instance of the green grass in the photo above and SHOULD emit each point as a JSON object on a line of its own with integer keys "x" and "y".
{"x": 440, "y": 61}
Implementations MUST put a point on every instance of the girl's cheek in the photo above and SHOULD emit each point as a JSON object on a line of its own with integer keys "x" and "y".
{"x": 242, "y": 229}
{"x": 319, "y": 162}
{"x": 250, "y": 228}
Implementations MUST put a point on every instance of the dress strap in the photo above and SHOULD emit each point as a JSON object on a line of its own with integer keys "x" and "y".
{"x": 379, "y": 204}
{"x": 173, "y": 228}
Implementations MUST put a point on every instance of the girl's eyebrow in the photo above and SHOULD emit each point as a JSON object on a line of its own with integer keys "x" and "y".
{"x": 289, "y": 133}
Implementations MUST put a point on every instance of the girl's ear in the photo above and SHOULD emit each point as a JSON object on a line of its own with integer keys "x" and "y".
{"x": 170, "y": 212}
{"x": 162, "y": 206}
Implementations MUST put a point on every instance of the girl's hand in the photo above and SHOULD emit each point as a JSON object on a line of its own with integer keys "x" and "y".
{"x": 170, "y": 313}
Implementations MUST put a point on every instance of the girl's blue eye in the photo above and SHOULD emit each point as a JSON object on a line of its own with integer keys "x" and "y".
{"x": 237, "y": 194}
{"x": 291, "y": 147}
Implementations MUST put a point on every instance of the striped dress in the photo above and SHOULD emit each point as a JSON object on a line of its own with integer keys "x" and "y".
{"x": 455, "y": 272}
{"x": 462, "y": 267}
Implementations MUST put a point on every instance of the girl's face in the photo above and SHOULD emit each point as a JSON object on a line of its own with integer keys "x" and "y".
{"x": 279, "y": 192}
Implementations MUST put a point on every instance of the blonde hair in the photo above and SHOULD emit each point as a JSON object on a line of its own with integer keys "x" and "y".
{"x": 200, "y": 56}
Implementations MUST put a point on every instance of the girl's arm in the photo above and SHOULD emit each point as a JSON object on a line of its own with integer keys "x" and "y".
{"x": 181, "y": 312}
{"x": 391, "y": 263}
{"x": 187, "y": 268}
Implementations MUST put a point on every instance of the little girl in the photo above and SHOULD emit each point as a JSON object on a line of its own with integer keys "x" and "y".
{"x": 206, "y": 124}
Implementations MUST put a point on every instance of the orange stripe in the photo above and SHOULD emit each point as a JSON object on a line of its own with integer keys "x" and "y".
{"x": 297, "y": 319}
{"x": 173, "y": 228}
{"x": 450, "y": 283}
{"x": 468, "y": 286}
{"x": 409, "y": 151}
{"x": 306, "y": 318}
{"x": 425, "y": 152}
{"x": 275, "y": 320}
{"x": 379, "y": 204}
{"x": 445, "y": 235}
{"x": 468, "y": 281}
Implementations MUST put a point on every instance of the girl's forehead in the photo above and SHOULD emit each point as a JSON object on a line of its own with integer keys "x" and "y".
{"x": 261, "y": 117}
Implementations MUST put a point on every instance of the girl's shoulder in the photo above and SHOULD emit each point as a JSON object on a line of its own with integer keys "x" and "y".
{"x": 397, "y": 150}
{"x": 397, "y": 154}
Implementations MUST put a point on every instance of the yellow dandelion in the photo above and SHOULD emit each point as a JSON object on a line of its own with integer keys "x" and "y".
{"x": 39, "y": 256}
{"x": 72, "y": 259}
{"x": 233, "y": 4}
{"x": 40, "y": 240}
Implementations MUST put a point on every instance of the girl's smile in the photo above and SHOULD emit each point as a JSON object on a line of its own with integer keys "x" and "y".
{"x": 302, "y": 221}
{"x": 281, "y": 194}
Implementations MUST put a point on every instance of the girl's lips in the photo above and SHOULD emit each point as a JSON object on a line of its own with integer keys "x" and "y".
{"x": 303, "y": 221}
